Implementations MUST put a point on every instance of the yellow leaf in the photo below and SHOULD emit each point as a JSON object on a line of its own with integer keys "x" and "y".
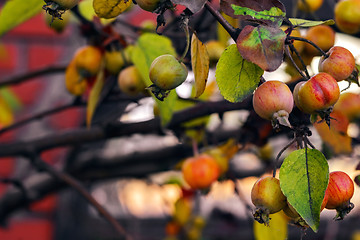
{"x": 110, "y": 8}
{"x": 94, "y": 96}
{"x": 277, "y": 228}
{"x": 200, "y": 64}
{"x": 6, "y": 114}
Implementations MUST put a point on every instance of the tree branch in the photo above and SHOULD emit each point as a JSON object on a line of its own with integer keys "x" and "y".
{"x": 116, "y": 129}
{"x": 31, "y": 75}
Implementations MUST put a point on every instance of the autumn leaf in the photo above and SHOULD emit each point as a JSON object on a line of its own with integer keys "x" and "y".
{"x": 200, "y": 64}
{"x": 261, "y": 11}
{"x": 262, "y": 45}
{"x": 110, "y": 8}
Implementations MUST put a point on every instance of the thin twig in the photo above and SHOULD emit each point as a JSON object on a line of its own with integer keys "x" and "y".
{"x": 82, "y": 191}
{"x": 31, "y": 75}
{"x": 288, "y": 54}
{"x": 292, "y": 48}
{"x": 279, "y": 155}
{"x": 75, "y": 103}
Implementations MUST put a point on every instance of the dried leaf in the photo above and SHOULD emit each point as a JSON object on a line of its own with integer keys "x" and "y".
{"x": 193, "y": 5}
{"x": 200, "y": 64}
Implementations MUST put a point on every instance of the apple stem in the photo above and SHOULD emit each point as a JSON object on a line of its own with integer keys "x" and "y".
{"x": 185, "y": 24}
{"x": 287, "y": 51}
{"x": 195, "y": 147}
{"x": 280, "y": 153}
{"x": 311, "y": 43}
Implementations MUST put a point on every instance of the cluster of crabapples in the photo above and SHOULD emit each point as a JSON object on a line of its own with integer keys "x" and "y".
{"x": 273, "y": 100}
{"x": 268, "y": 198}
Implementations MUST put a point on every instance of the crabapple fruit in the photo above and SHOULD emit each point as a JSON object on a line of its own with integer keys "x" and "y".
{"x": 347, "y": 16}
{"x": 88, "y": 60}
{"x": 317, "y": 94}
{"x": 309, "y": 5}
{"x": 130, "y": 81}
{"x": 340, "y": 190}
{"x": 268, "y": 198}
{"x": 200, "y": 171}
{"x": 74, "y": 82}
{"x": 166, "y": 72}
{"x": 339, "y": 63}
{"x": 148, "y": 5}
{"x": 273, "y": 100}
{"x": 349, "y": 105}
{"x": 323, "y": 36}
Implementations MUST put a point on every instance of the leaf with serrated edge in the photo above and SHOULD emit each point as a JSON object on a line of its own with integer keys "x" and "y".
{"x": 277, "y": 229}
{"x": 262, "y": 45}
{"x": 200, "y": 64}
{"x": 15, "y": 12}
{"x": 236, "y": 77}
{"x": 110, "y": 8}
{"x": 149, "y": 46}
{"x": 94, "y": 96}
{"x": 298, "y": 22}
{"x": 304, "y": 176}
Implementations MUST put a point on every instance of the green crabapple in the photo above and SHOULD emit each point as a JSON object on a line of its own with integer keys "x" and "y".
{"x": 267, "y": 197}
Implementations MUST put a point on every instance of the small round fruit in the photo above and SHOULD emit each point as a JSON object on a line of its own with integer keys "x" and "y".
{"x": 64, "y": 4}
{"x": 340, "y": 63}
{"x": 130, "y": 81}
{"x": 309, "y": 5}
{"x": 200, "y": 171}
{"x": 166, "y": 72}
{"x": 347, "y": 16}
{"x": 349, "y": 105}
{"x": 273, "y": 100}
{"x": 58, "y": 25}
{"x": 88, "y": 60}
{"x": 215, "y": 49}
{"x": 323, "y": 36}
{"x": 115, "y": 61}
{"x": 74, "y": 82}
{"x": 317, "y": 94}
{"x": 266, "y": 194}
{"x": 340, "y": 190}
{"x": 148, "y": 5}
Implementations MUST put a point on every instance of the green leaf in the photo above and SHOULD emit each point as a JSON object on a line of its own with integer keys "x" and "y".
{"x": 262, "y": 45}
{"x": 298, "y": 22}
{"x": 357, "y": 180}
{"x": 268, "y": 12}
{"x": 150, "y": 46}
{"x": 236, "y": 77}
{"x": 304, "y": 176}
{"x": 274, "y": 14}
{"x": 16, "y": 12}
{"x": 277, "y": 229}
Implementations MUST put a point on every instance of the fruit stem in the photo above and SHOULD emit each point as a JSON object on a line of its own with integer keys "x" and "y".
{"x": 292, "y": 48}
{"x": 287, "y": 51}
{"x": 311, "y": 43}
{"x": 195, "y": 147}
